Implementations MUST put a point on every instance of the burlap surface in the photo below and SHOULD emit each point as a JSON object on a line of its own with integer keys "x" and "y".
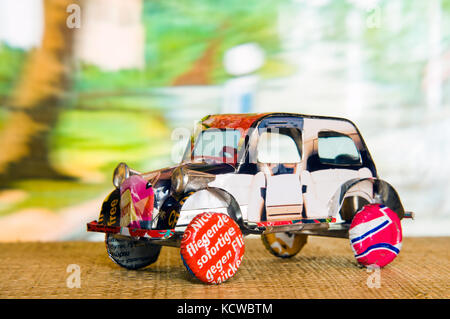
{"x": 325, "y": 268}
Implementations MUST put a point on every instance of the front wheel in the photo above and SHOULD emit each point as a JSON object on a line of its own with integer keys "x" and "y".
{"x": 212, "y": 247}
{"x": 375, "y": 235}
{"x": 131, "y": 253}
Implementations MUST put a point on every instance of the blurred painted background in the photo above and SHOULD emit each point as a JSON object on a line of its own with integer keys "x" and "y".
{"x": 87, "y": 84}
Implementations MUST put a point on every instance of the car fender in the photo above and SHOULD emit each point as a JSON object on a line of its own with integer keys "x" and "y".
{"x": 383, "y": 193}
{"x": 194, "y": 204}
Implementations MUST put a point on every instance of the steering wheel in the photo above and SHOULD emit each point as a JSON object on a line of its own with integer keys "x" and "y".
{"x": 228, "y": 152}
{"x": 346, "y": 159}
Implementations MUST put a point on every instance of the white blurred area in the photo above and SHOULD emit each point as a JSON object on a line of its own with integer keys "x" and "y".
{"x": 241, "y": 62}
{"x": 112, "y": 35}
{"x": 25, "y": 32}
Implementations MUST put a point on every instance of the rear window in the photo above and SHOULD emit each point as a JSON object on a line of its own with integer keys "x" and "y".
{"x": 337, "y": 149}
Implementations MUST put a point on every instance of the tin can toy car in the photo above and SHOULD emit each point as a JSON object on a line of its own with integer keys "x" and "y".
{"x": 282, "y": 176}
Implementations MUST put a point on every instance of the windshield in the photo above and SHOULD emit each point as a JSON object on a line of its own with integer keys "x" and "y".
{"x": 218, "y": 145}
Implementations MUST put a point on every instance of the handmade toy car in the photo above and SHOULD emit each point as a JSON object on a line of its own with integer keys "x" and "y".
{"x": 282, "y": 176}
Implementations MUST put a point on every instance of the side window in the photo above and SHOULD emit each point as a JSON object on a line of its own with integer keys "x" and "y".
{"x": 277, "y": 148}
{"x": 337, "y": 149}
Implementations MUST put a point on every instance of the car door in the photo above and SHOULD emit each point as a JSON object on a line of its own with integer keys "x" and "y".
{"x": 336, "y": 160}
{"x": 277, "y": 186}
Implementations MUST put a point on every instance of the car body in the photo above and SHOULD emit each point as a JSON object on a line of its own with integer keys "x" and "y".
{"x": 271, "y": 173}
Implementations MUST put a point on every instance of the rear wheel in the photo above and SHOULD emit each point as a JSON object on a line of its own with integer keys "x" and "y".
{"x": 351, "y": 206}
{"x": 375, "y": 235}
{"x": 131, "y": 253}
{"x": 284, "y": 245}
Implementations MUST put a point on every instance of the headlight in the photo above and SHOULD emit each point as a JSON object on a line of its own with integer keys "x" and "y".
{"x": 121, "y": 173}
{"x": 179, "y": 180}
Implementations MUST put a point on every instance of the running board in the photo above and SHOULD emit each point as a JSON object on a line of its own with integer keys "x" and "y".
{"x": 162, "y": 234}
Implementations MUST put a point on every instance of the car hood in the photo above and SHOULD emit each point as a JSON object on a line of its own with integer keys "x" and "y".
{"x": 210, "y": 168}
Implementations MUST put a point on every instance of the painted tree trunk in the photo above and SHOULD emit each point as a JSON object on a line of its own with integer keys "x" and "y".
{"x": 36, "y": 101}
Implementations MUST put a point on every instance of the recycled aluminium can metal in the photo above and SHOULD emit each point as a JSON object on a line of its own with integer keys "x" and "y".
{"x": 131, "y": 253}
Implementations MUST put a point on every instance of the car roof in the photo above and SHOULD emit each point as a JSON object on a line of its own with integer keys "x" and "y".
{"x": 234, "y": 121}
{"x": 247, "y": 120}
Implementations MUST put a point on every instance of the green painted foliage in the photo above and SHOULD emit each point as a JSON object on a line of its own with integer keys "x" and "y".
{"x": 11, "y": 64}
{"x": 177, "y": 34}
